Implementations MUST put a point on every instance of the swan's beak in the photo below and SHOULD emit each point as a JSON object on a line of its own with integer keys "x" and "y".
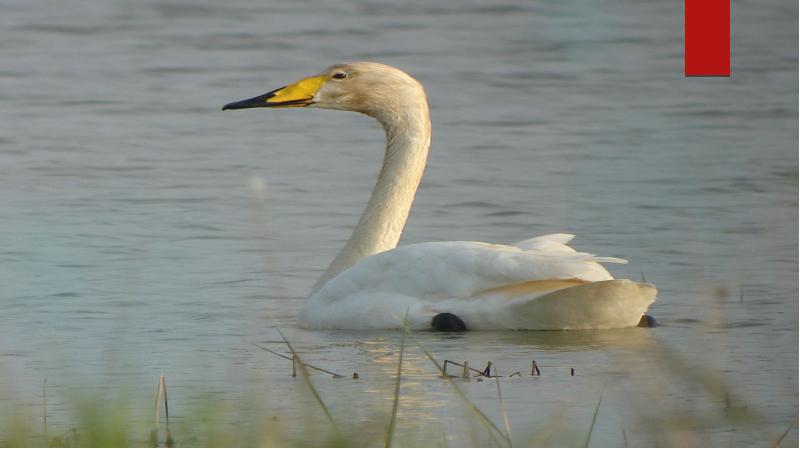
{"x": 295, "y": 95}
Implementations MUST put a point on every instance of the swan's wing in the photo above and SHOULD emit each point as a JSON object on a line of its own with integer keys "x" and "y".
{"x": 597, "y": 305}
{"x": 557, "y": 243}
{"x": 544, "y": 241}
{"x": 611, "y": 304}
{"x": 446, "y": 270}
{"x": 547, "y": 285}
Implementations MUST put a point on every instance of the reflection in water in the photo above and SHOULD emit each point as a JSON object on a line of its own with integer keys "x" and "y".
{"x": 578, "y": 340}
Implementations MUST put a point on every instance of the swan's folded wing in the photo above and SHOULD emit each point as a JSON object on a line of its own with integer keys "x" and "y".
{"x": 546, "y": 241}
{"x": 608, "y": 304}
{"x": 447, "y": 270}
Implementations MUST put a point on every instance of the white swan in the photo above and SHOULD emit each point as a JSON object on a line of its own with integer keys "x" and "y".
{"x": 539, "y": 283}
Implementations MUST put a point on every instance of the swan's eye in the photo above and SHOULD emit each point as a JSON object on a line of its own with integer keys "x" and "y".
{"x": 339, "y": 76}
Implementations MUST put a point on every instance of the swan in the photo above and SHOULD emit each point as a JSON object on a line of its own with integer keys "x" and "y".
{"x": 536, "y": 284}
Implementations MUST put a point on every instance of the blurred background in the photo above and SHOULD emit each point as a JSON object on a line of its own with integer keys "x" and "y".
{"x": 129, "y": 242}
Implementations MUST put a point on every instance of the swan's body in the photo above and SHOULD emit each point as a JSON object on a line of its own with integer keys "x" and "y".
{"x": 539, "y": 283}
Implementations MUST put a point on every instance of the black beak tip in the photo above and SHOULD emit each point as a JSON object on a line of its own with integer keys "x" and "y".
{"x": 255, "y": 102}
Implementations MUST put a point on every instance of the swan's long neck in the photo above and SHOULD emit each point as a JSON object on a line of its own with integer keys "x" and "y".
{"x": 408, "y": 138}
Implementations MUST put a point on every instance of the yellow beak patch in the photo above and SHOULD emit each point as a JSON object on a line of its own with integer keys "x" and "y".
{"x": 294, "y": 95}
{"x": 297, "y": 94}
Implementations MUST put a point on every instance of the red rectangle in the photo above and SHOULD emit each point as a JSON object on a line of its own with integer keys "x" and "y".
{"x": 707, "y": 38}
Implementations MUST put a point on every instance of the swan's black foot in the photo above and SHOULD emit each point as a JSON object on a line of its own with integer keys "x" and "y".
{"x": 447, "y": 322}
{"x": 647, "y": 321}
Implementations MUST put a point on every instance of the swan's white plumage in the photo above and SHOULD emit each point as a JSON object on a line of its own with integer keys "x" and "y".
{"x": 546, "y": 240}
{"x": 480, "y": 283}
{"x": 539, "y": 283}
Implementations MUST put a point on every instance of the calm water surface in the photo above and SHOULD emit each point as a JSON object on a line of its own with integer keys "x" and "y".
{"x": 130, "y": 247}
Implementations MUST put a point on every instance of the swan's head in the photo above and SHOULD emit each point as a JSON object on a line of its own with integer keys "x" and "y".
{"x": 367, "y": 87}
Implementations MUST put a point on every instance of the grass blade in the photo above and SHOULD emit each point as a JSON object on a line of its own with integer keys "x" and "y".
{"x": 44, "y": 407}
{"x": 396, "y": 402}
{"x": 257, "y": 187}
{"x": 168, "y": 442}
{"x": 307, "y": 382}
{"x": 594, "y": 419}
{"x": 503, "y": 409}
{"x": 472, "y": 407}
{"x": 785, "y": 432}
{"x": 624, "y": 436}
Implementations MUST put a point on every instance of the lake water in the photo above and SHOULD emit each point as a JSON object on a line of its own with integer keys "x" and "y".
{"x": 130, "y": 244}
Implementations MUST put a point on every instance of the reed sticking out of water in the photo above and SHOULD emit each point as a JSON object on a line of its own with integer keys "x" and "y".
{"x": 396, "y": 400}
{"x": 472, "y": 407}
{"x": 293, "y": 362}
{"x": 535, "y": 371}
{"x": 168, "y": 442}
{"x": 161, "y": 392}
{"x": 157, "y": 403}
{"x": 477, "y": 371}
{"x": 307, "y": 381}
{"x": 594, "y": 419}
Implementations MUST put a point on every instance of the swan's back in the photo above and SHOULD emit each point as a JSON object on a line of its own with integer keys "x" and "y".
{"x": 487, "y": 286}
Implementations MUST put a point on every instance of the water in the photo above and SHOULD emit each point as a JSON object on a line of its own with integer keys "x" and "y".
{"x": 130, "y": 246}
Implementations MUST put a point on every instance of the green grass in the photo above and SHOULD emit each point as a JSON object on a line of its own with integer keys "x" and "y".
{"x": 97, "y": 420}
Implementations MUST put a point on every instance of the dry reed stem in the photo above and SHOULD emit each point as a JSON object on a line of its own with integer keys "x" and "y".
{"x": 158, "y": 403}
{"x": 169, "y": 442}
{"x": 161, "y": 392}
{"x": 308, "y": 365}
{"x": 487, "y": 372}
{"x": 535, "y": 369}
{"x": 476, "y": 371}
